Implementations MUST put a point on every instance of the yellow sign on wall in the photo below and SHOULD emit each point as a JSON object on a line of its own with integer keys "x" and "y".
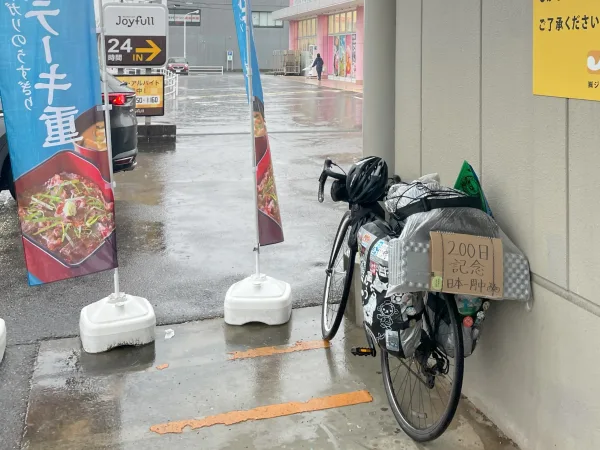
{"x": 149, "y": 91}
{"x": 566, "y": 48}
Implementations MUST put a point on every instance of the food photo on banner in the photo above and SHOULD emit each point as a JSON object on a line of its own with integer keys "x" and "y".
{"x": 269, "y": 216}
{"x": 50, "y": 89}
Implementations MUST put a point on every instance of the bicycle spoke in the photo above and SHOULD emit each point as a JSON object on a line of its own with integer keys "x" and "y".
{"x": 412, "y": 393}
{"x": 406, "y": 378}
{"x": 433, "y": 410}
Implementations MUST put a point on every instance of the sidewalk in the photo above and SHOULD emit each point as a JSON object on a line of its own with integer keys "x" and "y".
{"x": 282, "y": 387}
{"x": 331, "y": 84}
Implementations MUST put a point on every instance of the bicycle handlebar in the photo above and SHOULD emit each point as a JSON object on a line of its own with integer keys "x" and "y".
{"x": 323, "y": 179}
{"x": 326, "y": 173}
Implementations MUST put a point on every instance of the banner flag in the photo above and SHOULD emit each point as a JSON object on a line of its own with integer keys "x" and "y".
{"x": 50, "y": 89}
{"x": 269, "y": 216}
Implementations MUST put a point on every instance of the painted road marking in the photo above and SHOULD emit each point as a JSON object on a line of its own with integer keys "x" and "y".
{"x": 299, "y": 346}
{"x": 267, "y": 412}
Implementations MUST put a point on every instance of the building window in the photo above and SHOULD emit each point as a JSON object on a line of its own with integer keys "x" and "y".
{"x": 263, "y": 19}
{"x": 342, "y": 23}
{"x": 307, "y": 34}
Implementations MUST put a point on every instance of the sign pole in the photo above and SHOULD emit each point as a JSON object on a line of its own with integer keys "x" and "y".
{"x": 2, "y": 339}
{"x": 257, "y": 298}
{"x": 119, "y": 319}
{"x": 253, "y": 143}
{"x": 108, "y": 131}
{"x": 185, "y": 36}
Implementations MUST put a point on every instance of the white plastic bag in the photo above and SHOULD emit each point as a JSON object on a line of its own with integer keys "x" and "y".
{"x": 309, "y": 71}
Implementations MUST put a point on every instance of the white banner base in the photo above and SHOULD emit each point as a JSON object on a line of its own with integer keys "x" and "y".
{"x": 117, "y": 321}
{"x": 2, "y": 339}
{"x": 258, "y": 299}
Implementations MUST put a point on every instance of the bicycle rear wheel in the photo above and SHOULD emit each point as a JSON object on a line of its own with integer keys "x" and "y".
{"x": 424, "y": 390}
{"x": 338, "y": 280}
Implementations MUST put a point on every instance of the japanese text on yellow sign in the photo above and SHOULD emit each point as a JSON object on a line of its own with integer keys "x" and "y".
{"x": 566, "y": 48}
{"x": 149, "y": 91}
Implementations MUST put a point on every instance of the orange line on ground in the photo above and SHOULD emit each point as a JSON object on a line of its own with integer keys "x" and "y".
{"x": 162, "y": 367}
{"x": 267, "y": 412}
{"x": 299, "y": 346}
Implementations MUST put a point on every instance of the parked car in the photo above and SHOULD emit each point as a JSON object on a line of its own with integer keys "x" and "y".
{"x": 6, "y": 179}
{"x": 123, "y": 125}
{"x": 178, "y": 65}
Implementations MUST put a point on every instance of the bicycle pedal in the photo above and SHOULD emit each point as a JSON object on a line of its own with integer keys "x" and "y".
{"x": 362, "y": 351}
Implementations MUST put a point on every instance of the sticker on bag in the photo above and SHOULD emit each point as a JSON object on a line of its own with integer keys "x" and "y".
{"x": 392, "y": 340}
{"x": 379, "y": 285}
{"x": 378, "y": 246}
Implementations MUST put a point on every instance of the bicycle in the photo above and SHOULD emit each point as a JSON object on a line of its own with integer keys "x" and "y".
{"x": 434, "y": 368}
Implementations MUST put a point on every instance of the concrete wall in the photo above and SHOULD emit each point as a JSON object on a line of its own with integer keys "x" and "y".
{"x": 207, "y": 45}
{"x": 464, "y": 91}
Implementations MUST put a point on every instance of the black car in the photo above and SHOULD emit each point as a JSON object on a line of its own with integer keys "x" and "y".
{"x": 6, "y": 179}
{"x": 123, "y": 125}
{"x": 178, "y": 65}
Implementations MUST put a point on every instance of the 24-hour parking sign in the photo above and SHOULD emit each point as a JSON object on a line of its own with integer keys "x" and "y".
{"x": 136, "y": 34}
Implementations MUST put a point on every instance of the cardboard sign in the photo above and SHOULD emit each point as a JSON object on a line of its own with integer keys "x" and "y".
{"x": 465, "y": 264}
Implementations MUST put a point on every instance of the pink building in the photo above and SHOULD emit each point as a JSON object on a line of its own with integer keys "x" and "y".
{"x": 333, "y": 28}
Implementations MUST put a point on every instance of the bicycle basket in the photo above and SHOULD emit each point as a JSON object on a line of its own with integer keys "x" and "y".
{"x": 396, "y": 321}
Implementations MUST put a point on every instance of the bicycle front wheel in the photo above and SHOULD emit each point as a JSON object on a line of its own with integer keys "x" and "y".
{"x": 338, "y": 280}
{"x": 424, "y": 390}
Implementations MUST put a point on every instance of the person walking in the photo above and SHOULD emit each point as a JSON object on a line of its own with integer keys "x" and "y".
{"x": 319, "y": 65}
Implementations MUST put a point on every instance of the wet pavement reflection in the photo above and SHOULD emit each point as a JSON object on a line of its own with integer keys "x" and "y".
{"x": 218, "y": 105}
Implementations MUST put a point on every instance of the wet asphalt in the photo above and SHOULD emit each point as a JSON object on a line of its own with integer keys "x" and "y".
{"x": 119, "y": 400}
{"x": 185, "y": 219}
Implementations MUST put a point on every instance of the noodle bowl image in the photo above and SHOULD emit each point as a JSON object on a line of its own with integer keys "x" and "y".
{"x": 66, "y": 211}
{"x": 268, "y": 202}
{"x": 67, "y": 215}
{"x": 260, "y": 128}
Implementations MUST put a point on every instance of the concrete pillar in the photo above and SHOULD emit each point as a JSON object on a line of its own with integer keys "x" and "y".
{"x": 379, "y": 80}
{"x": 322, "y": 35}
{"x": 293, "y": 40}
{"x": 360, "y": 43}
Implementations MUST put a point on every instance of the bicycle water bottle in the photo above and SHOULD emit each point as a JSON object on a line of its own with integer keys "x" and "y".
{"x": 468, "y": 305}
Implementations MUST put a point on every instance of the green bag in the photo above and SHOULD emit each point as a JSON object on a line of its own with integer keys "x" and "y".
{"x": 468, "y": 182}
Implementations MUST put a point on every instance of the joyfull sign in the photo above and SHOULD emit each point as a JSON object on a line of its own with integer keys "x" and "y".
{"x": 136, "y": 34}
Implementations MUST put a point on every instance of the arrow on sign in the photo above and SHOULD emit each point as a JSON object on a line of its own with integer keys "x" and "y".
{"x": 154, "y": 50}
